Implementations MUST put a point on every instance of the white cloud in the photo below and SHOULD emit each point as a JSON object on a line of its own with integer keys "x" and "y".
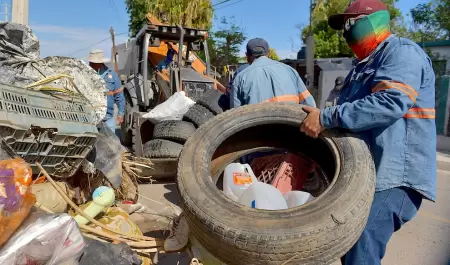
{"x": 70, "y": 41}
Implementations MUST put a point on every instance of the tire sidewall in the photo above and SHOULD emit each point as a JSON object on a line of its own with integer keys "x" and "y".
{"x": 208, "y": 209}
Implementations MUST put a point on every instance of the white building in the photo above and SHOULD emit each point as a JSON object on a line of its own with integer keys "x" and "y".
{"x": 440, "y": 49}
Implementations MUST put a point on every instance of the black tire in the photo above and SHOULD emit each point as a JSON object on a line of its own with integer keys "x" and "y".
{"x": 198, "y": 115}
{"x": 178, "y": 131}
{"x": 211, "y": 99}
{"x": 316, "y": 233}
{"x": 159, "y": 148}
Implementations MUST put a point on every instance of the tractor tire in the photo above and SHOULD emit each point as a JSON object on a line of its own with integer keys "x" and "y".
{"x": 316, "y": 233}
{"x": 178, "y": 131}
{"x": 198, "y": 115}
{"x": 211, "y": 99}
{"x": 159, "y": 148}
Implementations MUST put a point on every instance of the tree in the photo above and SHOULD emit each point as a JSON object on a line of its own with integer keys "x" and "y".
{"x": 431, "y": 21}
{"x": 226, "y": 43}
{"x": 330, "y": 43}
{"x": 189, "y": 13}
{"x": 273, "y": 54}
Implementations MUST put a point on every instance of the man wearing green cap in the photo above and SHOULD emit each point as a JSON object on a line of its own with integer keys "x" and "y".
{"x": 388, "y": 99}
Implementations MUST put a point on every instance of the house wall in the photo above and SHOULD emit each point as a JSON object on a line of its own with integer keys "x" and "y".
{"x": 443, "y": 51}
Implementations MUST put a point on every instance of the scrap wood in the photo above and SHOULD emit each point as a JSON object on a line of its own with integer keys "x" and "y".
{"x": 82, "y": 213}
{"x": 133, "y": 164}
{"x": 140, "y": 246}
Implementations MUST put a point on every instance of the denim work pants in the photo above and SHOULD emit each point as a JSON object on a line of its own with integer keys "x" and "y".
{"x": 390, "y": 210}
{"x": 111, "y": 123}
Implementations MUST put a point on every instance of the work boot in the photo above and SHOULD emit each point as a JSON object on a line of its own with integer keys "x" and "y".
{"x": 195, "y": 261}
{"x": 179, "y": 235}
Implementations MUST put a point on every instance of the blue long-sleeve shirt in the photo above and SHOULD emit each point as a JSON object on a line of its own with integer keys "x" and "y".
{"x": 115, "y": 92}
{"x": 389, "y": 98}
{"x": 266, "y": 80}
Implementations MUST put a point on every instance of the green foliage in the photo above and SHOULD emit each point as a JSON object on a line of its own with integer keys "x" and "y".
{"x": 188, "y": 13}
{"x": 431, "y": 20}
{"x": 273, "y": 54}
{"x": 330, "y": 43}
{"x": 226, "y": 43}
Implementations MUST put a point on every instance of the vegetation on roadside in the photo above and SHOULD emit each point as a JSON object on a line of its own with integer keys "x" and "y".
{"x": 189, "y": 13}
{"x": 430, "y": 21}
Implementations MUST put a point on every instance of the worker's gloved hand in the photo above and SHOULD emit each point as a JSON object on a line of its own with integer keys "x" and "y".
{"x": 311, "y": 126}
{"x": 119, "y": 120}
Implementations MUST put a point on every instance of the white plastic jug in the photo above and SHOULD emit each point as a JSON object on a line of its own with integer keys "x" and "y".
{"x": 296, "y": 198}
{"x": 237, "y": 178}
{"x": 263, "y": 196}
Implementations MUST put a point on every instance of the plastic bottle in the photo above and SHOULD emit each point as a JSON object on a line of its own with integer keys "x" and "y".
{"x": 236, "y": 179}
{"x": 296, "y": 198}
{"x": 263, "y": 196}
{"x": 102, "y": 197}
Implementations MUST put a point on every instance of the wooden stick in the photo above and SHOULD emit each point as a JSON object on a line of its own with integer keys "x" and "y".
{"x": 80, "y": 211}
{"x": 95, "y": 238}
{"x": 140, "y": 244}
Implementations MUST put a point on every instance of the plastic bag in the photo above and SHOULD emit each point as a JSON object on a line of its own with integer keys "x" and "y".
{"x": 173, "y": 108}
{"x": 44, "y": 239}
{"x": 108, "y": 155}
{"x": 16, "y": 198}
{"x": 20, "y": 65}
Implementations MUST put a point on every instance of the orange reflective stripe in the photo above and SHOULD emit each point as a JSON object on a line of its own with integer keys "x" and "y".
{"x": 421, "y": 110}
{"x": 285, "y": 98}
{"x": 384, "y": 85}
{"x": 303, "y": 96}
{"x": 420, "y": 113}
{"x": 419, "y": 116}
{"x": 112, "y": 93}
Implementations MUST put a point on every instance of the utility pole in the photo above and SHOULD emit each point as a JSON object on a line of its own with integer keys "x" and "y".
{"x": 114, "y": 51}
{"x": 310, "y": 50}
{"x": 20, "y": 11}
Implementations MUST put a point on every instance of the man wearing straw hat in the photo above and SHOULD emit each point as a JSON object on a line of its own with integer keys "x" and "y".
{"x": 115, "y": 89}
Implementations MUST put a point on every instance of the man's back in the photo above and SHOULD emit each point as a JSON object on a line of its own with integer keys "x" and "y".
{"x": 266, "y": 80}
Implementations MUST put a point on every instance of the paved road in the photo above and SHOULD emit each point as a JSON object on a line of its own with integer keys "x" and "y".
{"x": 423, "y": 241}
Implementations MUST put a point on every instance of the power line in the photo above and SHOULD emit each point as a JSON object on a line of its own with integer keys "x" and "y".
{"x": 223, "y": 2}
{"x": 116, "y": 11}
{"x": 229, "y": 4}
{"x": 90, "y": 46}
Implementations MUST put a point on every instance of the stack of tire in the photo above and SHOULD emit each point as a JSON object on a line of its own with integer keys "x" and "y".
{"x": 169, "y": 136}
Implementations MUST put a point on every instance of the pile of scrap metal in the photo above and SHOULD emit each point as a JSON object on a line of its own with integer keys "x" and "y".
{"x": 51, "y": 113}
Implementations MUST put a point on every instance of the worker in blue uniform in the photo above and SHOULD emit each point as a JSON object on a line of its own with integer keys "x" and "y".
{"x": 266, "y": 80}
{"x": 115, "y": 93}
{"x": 389, "y": 100}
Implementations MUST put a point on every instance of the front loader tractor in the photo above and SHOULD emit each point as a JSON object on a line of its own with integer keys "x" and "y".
{"x": 147, "y": 85}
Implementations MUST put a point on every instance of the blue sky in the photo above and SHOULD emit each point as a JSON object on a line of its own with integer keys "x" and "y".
{"x": 66, "y": 27}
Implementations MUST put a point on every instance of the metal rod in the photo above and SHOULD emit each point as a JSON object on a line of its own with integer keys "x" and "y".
{"x": 180, "y": 46}
{"x": 145, "y": 69}
{"x": 208, "y": 60}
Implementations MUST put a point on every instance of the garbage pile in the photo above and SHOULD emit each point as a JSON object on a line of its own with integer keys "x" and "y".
{"x": 279, "y": 182}
{"x": 50, "y": 211}
{"x": 21, "y": 65}
{"x": 41, "y": 224}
